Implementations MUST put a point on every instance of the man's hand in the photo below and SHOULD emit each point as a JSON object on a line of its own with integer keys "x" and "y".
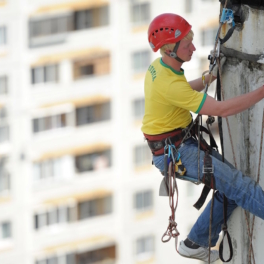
{"x": 222, "y": 62}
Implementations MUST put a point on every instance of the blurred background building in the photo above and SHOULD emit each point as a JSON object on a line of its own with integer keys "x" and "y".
{"x": 76, "y": 181}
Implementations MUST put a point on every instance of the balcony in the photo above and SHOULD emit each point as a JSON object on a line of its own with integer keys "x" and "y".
{"x": 100, "y": 255}
{"x": 49, "y": 28}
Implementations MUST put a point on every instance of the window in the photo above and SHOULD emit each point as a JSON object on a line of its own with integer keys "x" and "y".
{"x": 140, "y": 13}
{"x": 53, "y": 30}
{"x": 101, "y": 255}
{"x": 83, "y": 19}
{"x": 63, "y": 214}
{"x": 208, "y": 36}
{"x": 188, "y": 6}
{"x": 48, "y": 169}
{"x": 56, "y": 215}
{"x": 141, "y": 61}
{"x": 93, "y": 161}
{"x": 49, "y": 123}
{"x": 139, "y": 108}
{"x": 87, "y": 67}
{"x": 93, "y": 113}
{"x": 4, "y": 126}
{"x": 106, "y": 254}
{"x": 95, "y": 207}
{"x": 49, "y": 26}
{"x": 2, "y": 35}
{"x": 44, "y": 169}
{"x": 90, "y": 18}
{"x": 3, "y": 114}
{"x": 4, "y": 175}
{"x": 142, "y": 155}
{"x": 87, "y": 70}
{"x": 50, "y": 260}
{"x": 143, "y": 200}
{"x": 4, "y": 133}
{"x": 145, "y": 245}
{"x": 3, "y": 85}
{"x": 44, "y": 74}
{"x": 84, "y": 69}
{"x": 6, "y": 230}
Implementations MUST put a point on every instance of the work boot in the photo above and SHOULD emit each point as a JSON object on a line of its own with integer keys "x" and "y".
{"x": 200, "y": 253}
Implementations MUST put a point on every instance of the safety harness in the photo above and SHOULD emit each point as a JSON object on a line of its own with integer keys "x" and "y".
{"x": 158, "y": 142}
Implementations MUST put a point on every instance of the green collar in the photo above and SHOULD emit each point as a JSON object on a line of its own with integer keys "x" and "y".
{"x": 167, "y": 66}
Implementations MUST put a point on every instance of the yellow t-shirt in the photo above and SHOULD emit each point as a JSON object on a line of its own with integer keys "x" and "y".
{"x": 169, "y": 98}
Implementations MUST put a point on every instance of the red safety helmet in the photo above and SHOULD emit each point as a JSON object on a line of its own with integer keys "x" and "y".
{"x": 167, "y": 28}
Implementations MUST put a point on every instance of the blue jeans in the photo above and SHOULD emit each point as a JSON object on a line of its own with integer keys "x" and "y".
{"x": 239, "y": 189}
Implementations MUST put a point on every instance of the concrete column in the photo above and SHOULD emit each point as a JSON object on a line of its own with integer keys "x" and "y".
{"x": 242, "y": 73}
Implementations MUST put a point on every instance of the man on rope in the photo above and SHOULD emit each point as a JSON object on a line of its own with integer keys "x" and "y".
{"x": 169, "y": 98}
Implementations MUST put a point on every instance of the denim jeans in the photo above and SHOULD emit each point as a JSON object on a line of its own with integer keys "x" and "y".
{"x": 239, "y": 189}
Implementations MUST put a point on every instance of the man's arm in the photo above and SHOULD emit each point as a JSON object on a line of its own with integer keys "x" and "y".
{"x": 197, "y": 84}
{"x": 231, "y": 106}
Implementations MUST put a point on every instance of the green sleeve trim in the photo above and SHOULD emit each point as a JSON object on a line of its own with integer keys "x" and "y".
{"x": 201, "y": 104}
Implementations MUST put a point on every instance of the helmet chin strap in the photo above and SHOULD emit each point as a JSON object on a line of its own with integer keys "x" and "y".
{"x": 173, "y": 54}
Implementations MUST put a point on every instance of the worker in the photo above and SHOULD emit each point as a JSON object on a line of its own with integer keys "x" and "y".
{"x": 169, "y": 99}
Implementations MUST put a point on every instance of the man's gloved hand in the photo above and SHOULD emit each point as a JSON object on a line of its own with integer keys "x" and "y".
{"x": 222, "y": 62}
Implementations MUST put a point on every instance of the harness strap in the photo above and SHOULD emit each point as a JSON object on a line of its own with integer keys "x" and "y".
{"x": 202, "y": 198}
{"x": 226, "y": 233}
{"x": 157, "y": 146}
{"x": 224, "y": 226}
{"x": 208, "y": 171}
{"x": 208, "y": 180}
{"x": 157, "y": 143}
{"x": 203, "y": 144}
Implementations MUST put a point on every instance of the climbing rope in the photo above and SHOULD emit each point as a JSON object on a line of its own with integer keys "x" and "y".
{"x": 213, "y": 61}
{"x": 170, "y": 160}
{"x": 258, "y": 176}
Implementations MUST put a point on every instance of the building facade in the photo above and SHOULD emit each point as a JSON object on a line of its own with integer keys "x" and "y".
{"x": 76, "y": 181}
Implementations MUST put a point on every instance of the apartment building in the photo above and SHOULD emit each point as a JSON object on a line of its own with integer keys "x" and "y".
{"x": 76, "y": 181}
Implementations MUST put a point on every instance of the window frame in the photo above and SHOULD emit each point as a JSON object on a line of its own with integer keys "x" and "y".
{"x": 93, "y": 158}
{"x": 142, "y": 155}
{"x": 140, "y": 61}
{"x": 208, "y": 34}
{"x": 136, "y": 10}
{"x": 3, "y": 35}
{"x": 139, "y": 108}
{"x": 43, "y": 74}
{"x": 96, "y": 207}
{"x": 146, "y": 244}
{"x": 5, "y": 236}
{"x": 94, "y": 113}
{"x": 143, "y": 200}
{"x": 3, "y": 84}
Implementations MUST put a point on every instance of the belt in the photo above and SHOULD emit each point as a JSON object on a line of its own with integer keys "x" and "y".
{"x": 157, "y": 142}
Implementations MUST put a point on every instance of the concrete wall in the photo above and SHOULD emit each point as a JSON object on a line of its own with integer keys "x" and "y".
{"x": 242, "y": 73}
